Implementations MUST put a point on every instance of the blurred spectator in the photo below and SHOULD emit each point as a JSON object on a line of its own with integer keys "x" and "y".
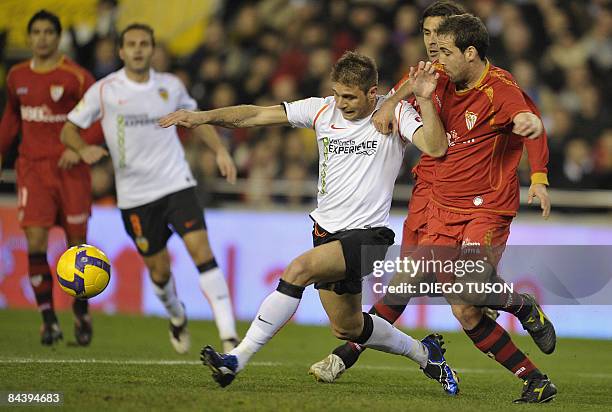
{"x": 576, "y": 172}
{"x": 603, "y": 160}
{"x": 105, "y": 60}
{"x": 162, "y": 60}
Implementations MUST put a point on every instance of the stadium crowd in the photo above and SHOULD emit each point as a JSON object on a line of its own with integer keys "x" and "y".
{"x": 270, "y": 51}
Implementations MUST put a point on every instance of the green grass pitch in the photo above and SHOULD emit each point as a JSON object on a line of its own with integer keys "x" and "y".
{"x": 131, "y": 366}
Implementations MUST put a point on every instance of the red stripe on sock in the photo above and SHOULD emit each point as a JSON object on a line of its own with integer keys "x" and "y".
{"x": 487, "y": 342}
{"x": 505, "y": 352}
{"x": 386, "y": 312}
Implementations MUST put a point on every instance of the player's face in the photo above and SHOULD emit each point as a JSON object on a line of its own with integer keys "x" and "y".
{"x": 43, "y": 38}
{"x": 454, "y": 61}
{"x": 137, "y": 50}
{"x": 430, "y": 36}
{"x": 352, "y": 101}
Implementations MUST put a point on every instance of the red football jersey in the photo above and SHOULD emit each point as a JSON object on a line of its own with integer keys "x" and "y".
{"x": 537, "y": 149}
{"x": 38, "y": 103}
{"x": 479, "y": 171}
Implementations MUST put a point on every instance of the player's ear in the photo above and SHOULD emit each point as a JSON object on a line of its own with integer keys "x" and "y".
{"x": 371, "y": 94}
{"x": 470, "y": 54}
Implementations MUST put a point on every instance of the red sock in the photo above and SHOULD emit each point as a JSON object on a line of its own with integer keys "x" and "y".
{"x": 390, "y": 313}
{"x": 42, "y": 284}
{"x": 494, "y": 341}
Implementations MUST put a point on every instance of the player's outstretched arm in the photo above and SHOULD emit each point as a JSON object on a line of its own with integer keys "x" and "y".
{"x": 431, "y": 138}
{"x": 224, "y": 160}
{"x": 232, "y": 117}
{"x": 72, "y": 139}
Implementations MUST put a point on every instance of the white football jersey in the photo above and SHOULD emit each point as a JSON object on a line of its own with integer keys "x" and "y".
{"x": 357, "y": 164}
{"x": 149, "y": 160}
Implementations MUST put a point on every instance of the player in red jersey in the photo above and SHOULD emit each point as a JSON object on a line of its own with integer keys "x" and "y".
{"x": 475, "y": 194}
{"x": 486, "y": 206}
{"x": 54, "y": 186}
{"x": 415, "y": 224}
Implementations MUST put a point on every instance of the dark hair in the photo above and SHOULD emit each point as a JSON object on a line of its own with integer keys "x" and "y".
{"x": 442, "y": 8}
{"x": 355, "y": 69}
{"x": 467, "y": 30}
{"x": 137, "y": 26}
{"x": 45, "y": 15}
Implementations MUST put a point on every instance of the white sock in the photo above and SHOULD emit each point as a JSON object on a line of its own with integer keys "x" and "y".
{"x": 168, "y": 297}
{"x": 214, "y": 287}
{"x": 387, "y": 338}
{"x": 274, "y": 312}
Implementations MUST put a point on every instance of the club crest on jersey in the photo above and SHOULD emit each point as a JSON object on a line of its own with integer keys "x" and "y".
{"x": 163, "y": 93}
{"x": 470, "y": 119}
{"x": 56, "y": 91}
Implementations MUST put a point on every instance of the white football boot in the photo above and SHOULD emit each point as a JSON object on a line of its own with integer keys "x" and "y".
{"x": 327, "y": 370}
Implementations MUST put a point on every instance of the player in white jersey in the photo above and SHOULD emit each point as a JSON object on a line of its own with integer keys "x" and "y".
{"x": 358, "y": 167}
{"x": 155, "y": 187}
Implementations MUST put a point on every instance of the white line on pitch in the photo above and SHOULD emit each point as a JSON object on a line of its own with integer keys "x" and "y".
{"x": 147, "y": 362}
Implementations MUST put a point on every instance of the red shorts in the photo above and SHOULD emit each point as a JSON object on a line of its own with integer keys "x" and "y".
{"x": 415, "y": 224}
{"x": 486, "y": 232}
{"x": 49, "y": 196}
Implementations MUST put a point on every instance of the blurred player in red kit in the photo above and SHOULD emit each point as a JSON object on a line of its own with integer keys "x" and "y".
{"x": 54, "y": 186}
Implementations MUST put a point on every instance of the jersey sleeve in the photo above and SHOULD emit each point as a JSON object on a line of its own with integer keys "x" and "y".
{"x": 408, "y": 120}
{"x": 399, "y": 84}
{"x": 11, "y": 118}
{"x": 185, "y": 101}
{"x": 537, "y": 151}
{"x": 304, "y": 113}
{"x": 508, "y": 101}
{"x": 89, "y": 109}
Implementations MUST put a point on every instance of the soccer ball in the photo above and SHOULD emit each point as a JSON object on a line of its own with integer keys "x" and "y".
{"x": 83, "y": 271}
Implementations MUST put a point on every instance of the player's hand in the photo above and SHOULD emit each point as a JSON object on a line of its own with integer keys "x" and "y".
{"x": 92, "y": 154}
{"x": 185, "y": 118}
{"x": 528, "y": 125}
{"x": 384, "y": 119}
{"x": 540, "y": 191}
{"x": 425, "y": 79}
{"x": 226, "y": 165}
{"x": 68, "y": 159}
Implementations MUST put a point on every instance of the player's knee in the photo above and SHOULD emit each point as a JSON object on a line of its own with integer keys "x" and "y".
{"x": 298, "y": 272}
{"x": 198, "y": 247}
{"x": 159, "y": 271}
{"x": 467, "y": 315}
{"x": 37, "y": 240}
{"x": 160, "y": 277}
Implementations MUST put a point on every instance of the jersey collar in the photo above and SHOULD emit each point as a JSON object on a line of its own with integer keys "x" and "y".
{"x": 135, "y": 85}
{"x": 50, "y": 69}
